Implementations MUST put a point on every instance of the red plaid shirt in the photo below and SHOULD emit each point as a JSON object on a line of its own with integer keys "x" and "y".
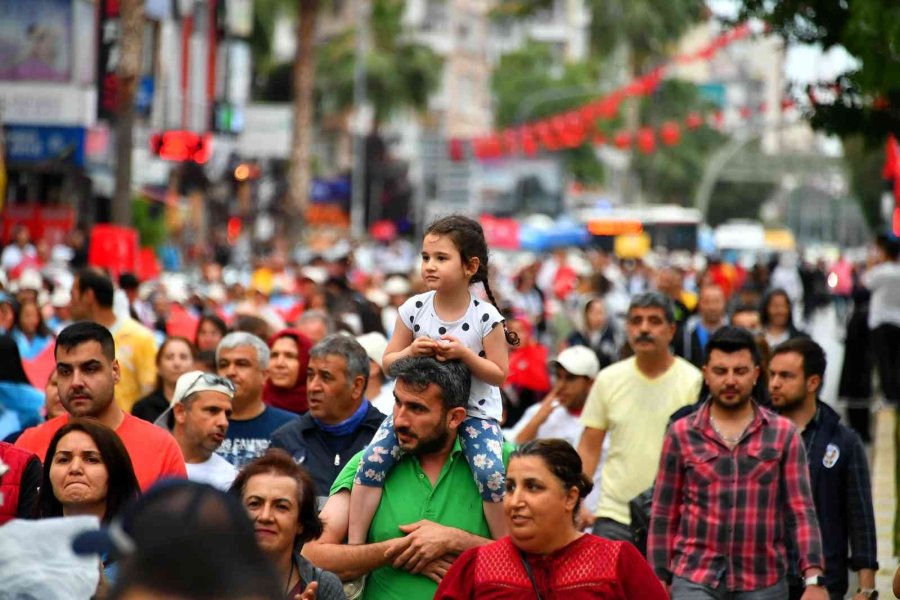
{"x": 722, "y": 515}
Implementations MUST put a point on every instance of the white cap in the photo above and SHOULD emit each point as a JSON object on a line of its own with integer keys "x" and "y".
{"x": 374, "y": 344}
{"x": 30, "y": 280}
{"x": 60, "y": 298}
{"x": 377, "y": 297}
{"x": 216, "y": 293}
{"x": 317, "y": 275}
{"x": 191, "y": 383}
{"x": 396, "y": 286}
{"x": 579, "y": 360}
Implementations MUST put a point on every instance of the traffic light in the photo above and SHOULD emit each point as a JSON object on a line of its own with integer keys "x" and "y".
{"x": 182, "y": 146}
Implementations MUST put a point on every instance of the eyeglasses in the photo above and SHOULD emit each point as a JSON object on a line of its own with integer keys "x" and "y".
{"x": 211, "y": 379}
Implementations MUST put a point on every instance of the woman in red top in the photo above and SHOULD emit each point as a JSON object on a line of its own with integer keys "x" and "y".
{"x": 545, "y": 556}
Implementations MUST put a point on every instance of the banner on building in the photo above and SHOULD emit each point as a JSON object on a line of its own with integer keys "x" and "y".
{"x": 36, "y": 40}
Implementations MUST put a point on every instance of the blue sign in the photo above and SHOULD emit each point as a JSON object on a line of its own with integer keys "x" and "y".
{"x": 38, "y": 143}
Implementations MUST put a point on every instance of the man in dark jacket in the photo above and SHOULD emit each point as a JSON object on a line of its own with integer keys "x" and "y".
{"x": 691, "y": 338}
{"x": 340, "y": 421}
{"x": 839, "y": 471}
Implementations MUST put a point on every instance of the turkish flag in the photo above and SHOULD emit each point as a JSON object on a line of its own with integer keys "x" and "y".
{"x": 39, "y": 368}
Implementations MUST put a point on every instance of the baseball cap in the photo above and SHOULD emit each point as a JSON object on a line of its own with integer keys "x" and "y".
{"x": 578, "y": 360}
{"x": 374, "y": 344}
{"x": 396, "y": 286}
{"x": 191, "y": 383}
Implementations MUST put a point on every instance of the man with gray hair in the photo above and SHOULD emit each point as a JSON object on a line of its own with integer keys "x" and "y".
{"x": 340, "y": 421}
{"x": 243, "y": 358}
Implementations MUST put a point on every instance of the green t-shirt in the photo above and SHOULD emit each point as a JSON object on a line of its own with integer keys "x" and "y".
{"x": 409, "y": 497}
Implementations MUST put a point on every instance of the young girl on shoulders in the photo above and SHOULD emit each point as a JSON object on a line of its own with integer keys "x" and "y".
{"x": 449, "y": 323}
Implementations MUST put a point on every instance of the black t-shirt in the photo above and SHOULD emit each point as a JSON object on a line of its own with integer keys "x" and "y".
{"x": 150, "y": 407}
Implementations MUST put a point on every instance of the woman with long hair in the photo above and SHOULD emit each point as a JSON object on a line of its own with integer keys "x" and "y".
{"x": 31, "y": 333}
{"x": 175, "y": 357}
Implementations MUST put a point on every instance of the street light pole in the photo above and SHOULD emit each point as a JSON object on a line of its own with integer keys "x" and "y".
{"x": 360, "y": 99}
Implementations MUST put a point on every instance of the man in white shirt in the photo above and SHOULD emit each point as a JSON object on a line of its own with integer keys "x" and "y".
{"x": 379, "y": 390}
{"x": 559, "y": 414}
{"x": 883, "y": 280}
{"x": 198, "y": 418}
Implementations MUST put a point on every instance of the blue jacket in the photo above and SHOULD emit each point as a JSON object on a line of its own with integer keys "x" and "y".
{"x": 23, "y": 401}
{"x": 842, "y": 492}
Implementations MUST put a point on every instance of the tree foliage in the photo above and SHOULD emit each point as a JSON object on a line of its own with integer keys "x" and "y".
{"x": 528, "y": 85}
{"x": 400, "y": 72}
{"x": 671, "y": 174}
{"x": 868, "y": 97}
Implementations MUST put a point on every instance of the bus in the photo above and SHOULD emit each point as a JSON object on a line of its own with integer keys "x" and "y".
{"x": 667, "y": 226}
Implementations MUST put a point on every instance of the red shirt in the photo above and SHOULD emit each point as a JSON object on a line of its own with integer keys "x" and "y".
{"x": 589, "y": 567}
{"x": 722, "y": 514}
{"x": 153, "y": 451}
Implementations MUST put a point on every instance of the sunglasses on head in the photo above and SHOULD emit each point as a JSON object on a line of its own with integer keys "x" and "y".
{"x": 211, "y": 379}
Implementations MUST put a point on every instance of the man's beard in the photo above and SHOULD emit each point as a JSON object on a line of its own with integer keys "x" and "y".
{"x": 437, "y": 441}
{"x": 734, "y": 406}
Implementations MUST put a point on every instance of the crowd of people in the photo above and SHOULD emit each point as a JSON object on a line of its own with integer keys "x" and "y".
{"x": 477, "y": 425}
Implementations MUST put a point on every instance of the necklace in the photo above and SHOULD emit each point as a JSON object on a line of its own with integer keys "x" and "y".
{"x": 287, "y": 587}
{"x": 728, "y": 440}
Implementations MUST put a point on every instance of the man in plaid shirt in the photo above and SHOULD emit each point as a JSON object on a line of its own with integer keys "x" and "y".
{"x": 733, "y": 483}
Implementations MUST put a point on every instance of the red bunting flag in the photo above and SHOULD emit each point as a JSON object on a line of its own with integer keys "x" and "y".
{"x": 694, "y": 120}
{"x": 646, "y": 140}
{"x": 622, "y": 140}
{"x": 670, "y": 133}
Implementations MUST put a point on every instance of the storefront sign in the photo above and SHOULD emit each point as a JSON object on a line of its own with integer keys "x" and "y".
{"x": 36, "y": 143}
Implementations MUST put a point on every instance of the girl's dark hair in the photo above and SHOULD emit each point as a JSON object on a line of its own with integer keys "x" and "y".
{"x": 468, "y": 237}
{"x": 767, "y": 300}
{"x": 563, "y": 461}
{"x": 122, "y": 486}
{"x": 11, "y": 368}
{"x": 159, "y": 354}
{"x": 41, "y": 328}
{"x": 215, "y": 320}
{"x": 279, "y": 462}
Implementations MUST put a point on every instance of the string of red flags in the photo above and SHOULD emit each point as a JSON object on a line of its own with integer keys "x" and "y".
{"x": 575, "y": 127}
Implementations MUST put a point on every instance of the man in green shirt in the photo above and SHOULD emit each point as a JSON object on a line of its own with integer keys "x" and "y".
{"x": 431, "y": 510}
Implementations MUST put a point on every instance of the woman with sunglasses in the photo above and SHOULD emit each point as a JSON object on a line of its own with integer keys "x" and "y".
{"x": 198, "y": 419}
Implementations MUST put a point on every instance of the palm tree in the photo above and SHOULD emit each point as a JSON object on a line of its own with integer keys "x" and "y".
{"x": 128, "y": 71}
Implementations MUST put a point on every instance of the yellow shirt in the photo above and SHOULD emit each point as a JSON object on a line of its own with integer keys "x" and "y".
{"x": 136, "y": 353}
{"x": 634, "y": 411}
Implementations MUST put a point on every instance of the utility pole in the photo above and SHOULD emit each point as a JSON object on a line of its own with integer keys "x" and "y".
{"x": 360, "y": 102}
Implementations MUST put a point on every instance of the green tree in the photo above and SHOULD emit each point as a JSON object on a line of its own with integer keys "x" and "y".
{"x": 400, "y": 73}
{"x": 528, "y": 85}
{"x": 869, "y": 100}
{"x": 671, "y": 173}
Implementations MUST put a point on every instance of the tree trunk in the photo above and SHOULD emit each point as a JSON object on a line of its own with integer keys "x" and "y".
{"x": 299, "y": 173}
{"x": 131, "y": 41}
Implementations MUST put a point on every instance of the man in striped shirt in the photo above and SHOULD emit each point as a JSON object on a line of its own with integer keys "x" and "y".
{"x": 732, "y": 487}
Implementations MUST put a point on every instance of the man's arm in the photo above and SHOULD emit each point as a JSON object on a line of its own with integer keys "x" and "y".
{"x": 861, "y": 517}
{"x": 589, "y": 449}
{"x": 430, "y": 541}
{"x": 665, "y": 513}
{"x": 801, "y": 511}
{"x": 329, "y": 551}
{"x": 525, "y": 432}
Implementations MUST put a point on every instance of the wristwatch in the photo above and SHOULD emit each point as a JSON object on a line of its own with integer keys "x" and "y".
{"x": 870, "y": 593}
{"x": 818, "y": 580}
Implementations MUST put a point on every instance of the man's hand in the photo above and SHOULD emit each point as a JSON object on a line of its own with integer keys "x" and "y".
{"x": 437, "y": 569}
{"x": 427, "y": 542}
{"x": 309, "y": 593}
{"x": 814, "y": 592}
{"x": 548, "y": 404}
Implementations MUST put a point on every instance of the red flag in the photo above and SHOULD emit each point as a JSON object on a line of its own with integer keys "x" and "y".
{"x": 39, "y": 368}
{"x": 891, "y": 168}
{"x": 693, "y": 120}
{"x": 646, "y": 140}
{"x": 456, "y": 150}
{"x": 622, "y": 140}
{"x": 670, "y": 133}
